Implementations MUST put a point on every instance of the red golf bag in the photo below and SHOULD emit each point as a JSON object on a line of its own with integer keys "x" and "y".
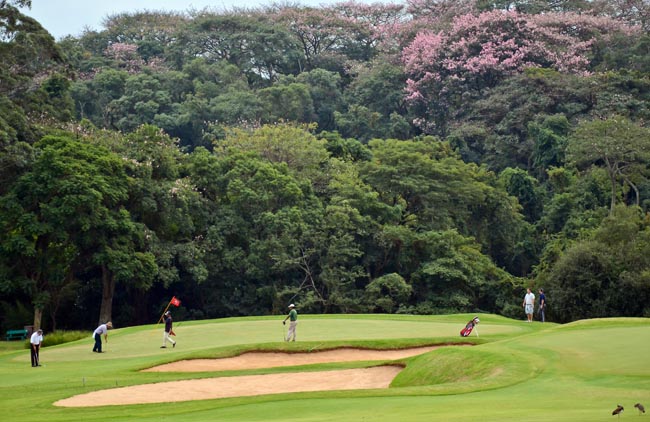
{"x": 469, "y": 327}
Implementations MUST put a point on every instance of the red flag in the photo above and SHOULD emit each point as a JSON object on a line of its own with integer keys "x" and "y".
{"x": 175, "y": 301}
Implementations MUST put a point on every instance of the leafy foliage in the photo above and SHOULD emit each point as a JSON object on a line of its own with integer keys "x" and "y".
{"x": 437, "y": 156}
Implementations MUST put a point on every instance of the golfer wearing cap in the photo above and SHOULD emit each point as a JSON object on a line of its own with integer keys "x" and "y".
{"x": 102, "y": 329}
{"x": 168, "y": 331}
{"x": 35, "y": 342}
{"x": 293, "y": 321}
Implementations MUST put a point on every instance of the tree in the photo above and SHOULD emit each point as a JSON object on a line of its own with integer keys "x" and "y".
{"x": 606, "y": 273}
{"x": 550, "y": 139}
{"x": 450, "y": 274}
{"x": 617, "y": 143}
{"x": 260, "y": 48}
{"x": 523, "y": 187}
{"x": 369, "y": 32}
{"x": 68, "y": 207}
{"x": 289, "y": 144}
{"x": 635, "y": 12}
{"x": 387, "y": 292}
{"x": 320, "y": 31}
{"x": 260, "y": 213}
{"x": 26, "y": 48}
{"x": 326, "y": 93}
{"x": 478, "y": 52}
{"x": 287, "y": 102}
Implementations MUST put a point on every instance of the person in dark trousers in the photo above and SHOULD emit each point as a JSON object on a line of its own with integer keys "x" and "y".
{"x": 168, "y": 331}
{"x": 35, "y": 346}
{"x": 542, "y": 305}
{"x": 99, "y": 331}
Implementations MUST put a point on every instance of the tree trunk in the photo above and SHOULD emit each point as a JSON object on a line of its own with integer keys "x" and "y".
{"x": 612, "y": 171}
{"x": 108, "y": 288}
{"x": 54, "y": 307}
{"x": 38, "y": 317}
{"x": 612, "y": 179}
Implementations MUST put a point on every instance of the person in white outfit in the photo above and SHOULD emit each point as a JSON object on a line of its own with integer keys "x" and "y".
{"x": 529, "y": 304}
{"x": 35, "y": 346}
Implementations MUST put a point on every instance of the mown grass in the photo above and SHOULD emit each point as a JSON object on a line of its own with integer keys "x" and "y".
{"x": 515, "y": 371}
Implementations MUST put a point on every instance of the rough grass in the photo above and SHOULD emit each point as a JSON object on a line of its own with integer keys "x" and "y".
{"x": 514, "y": 372}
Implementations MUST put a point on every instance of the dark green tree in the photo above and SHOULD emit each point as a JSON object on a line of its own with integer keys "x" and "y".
{"x": 621, "y": 146}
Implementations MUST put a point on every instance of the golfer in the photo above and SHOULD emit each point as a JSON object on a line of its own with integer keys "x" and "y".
{"x": 168, "y": 331}
{"x": 99, "y": 331}
{"x": 293, "y": 321}
{"x": 542, "y": 305}
{"x": 35, "y": 346}
{"x": 528, "y": 304}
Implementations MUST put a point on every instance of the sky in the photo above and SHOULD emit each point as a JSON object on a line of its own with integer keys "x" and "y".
{"x": 70, "y": 17}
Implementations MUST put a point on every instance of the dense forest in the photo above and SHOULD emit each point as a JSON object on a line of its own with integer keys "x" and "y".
{"x": 430, "y": 156}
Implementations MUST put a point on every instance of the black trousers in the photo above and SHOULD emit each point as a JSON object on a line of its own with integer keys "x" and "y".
{"x": 35, "y": 349}
{"x": 98, "y": 343}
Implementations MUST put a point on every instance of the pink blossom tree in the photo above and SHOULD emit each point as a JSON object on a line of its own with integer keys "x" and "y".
{"x": 479, "y": 51}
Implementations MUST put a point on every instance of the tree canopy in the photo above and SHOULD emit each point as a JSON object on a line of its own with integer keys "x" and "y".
{"x": 427, "y": 157}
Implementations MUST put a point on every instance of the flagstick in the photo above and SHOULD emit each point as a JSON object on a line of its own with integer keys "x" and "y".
{"x": 163, "y": 314}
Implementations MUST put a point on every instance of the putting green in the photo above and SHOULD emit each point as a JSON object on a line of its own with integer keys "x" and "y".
{"x": 196, "y": 336}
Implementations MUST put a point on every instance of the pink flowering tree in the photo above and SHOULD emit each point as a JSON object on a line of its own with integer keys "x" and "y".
{"x": 478, "y": 52}
{"x": 125, "y": 56}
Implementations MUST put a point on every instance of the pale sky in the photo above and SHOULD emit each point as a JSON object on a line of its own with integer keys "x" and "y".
{"x": 69, "y": 17}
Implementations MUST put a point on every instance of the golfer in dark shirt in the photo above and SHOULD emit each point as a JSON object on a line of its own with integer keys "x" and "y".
{"x": 168, "y": 331}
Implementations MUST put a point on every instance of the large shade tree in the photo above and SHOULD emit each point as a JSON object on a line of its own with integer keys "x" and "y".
{"x": 621, "y": 146}
{"x": 64, "y": 215}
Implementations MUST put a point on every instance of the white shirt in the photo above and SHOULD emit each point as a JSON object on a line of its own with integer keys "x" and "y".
{"x": 36, "y": 338}
{"x": 101, "y": 330}
{"x": 529, "y": 299}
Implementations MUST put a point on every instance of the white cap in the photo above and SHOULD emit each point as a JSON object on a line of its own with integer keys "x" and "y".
{"x": 292, "y": 306}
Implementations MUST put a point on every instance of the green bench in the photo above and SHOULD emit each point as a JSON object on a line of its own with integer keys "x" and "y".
{"x": 16, "y": 335}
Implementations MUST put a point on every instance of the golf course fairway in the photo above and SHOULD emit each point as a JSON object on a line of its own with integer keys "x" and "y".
{"x": 512, "y": 371}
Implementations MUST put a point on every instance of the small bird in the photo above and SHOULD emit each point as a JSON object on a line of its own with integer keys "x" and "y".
{"x": 618, "y": 410}
{"x": 640, "y": 407}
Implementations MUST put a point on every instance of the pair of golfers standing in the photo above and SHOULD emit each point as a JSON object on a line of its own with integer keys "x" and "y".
{"x": 293, "y": 322}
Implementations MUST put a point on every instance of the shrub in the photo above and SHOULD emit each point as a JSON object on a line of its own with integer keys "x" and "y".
{"x": 60, "y": 337}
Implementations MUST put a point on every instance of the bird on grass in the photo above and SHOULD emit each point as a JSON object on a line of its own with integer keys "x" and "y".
{"x": 640, "y": 407}
{"x": 618, "y": 410}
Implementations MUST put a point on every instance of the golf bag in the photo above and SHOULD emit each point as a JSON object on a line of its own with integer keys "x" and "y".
{"x": 469, "y": 327}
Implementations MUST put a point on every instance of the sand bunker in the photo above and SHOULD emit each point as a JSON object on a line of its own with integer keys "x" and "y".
{"x": 258, "y": 360}
{"x": 248, "y": 385}
{"x": 253, "y": 385}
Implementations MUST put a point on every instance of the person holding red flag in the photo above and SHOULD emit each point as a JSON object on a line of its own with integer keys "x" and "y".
{"x": 168, "y": 331}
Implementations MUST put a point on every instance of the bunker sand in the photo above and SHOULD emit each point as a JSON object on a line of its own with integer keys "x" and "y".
{"x": 258, "y": 360}
{"x": 248, "y": 385}
{"x": 253, "y": 385}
